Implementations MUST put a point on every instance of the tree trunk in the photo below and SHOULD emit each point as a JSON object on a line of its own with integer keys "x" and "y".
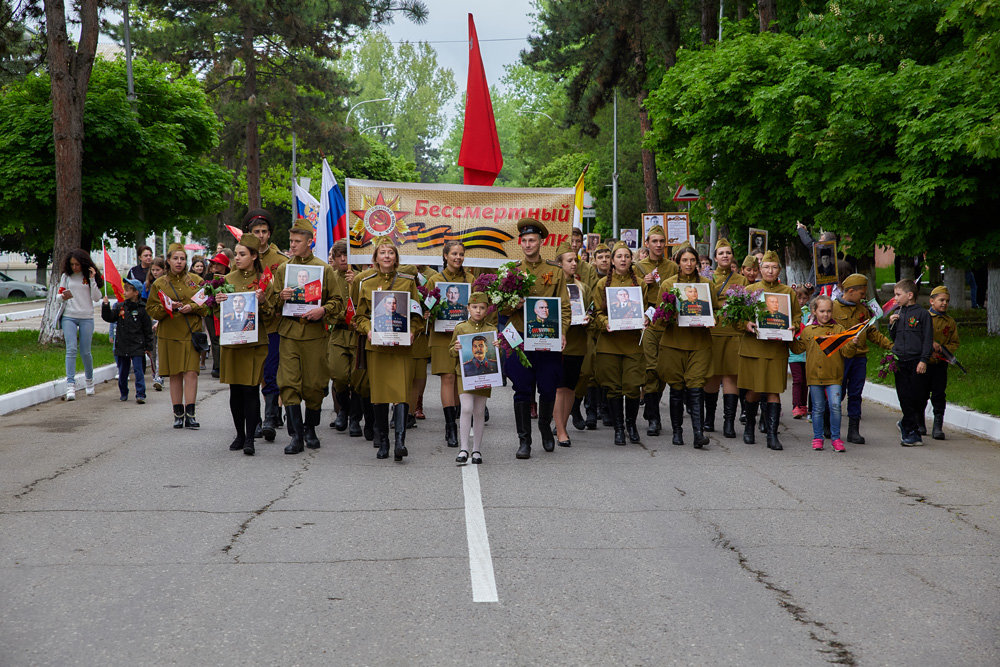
{"x": 741, "y": 10}
{"x": 69, "y": 70}
{"x": 768, "y": 15}
{"x": 253, "y": 139}
{"x": 42, "y": 269}
{"x": 649, "y": 175}
{"x": 798, "y": 265}
{"x": 954, "y": 280}
{"x": 993, "y": 300}
{"x": 906, "y": 271}
{"x": 866, "y": 267}
{"x": 709, "y": 21}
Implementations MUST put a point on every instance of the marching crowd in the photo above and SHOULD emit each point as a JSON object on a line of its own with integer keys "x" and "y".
{"x": 598, "y": 375}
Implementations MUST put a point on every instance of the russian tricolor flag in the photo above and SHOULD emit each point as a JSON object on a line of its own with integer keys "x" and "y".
{"x": 332, "y": 224}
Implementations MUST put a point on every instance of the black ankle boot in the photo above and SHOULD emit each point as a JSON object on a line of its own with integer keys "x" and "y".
{"x": 380, "y": 429}
{"x": 617, "y": 419}
{"x": 522, "y": 421}
{"x": 591, "y": 402}
{"x": 773, "y": 418}
{"x": 368, "y": 410}
{"x": 178, "y": 415}
{"x": 309, "y": 436}
{"x": 677, "y": 415}
{"x": 400, "y": 412}
{"x": 451, "y": 426}
{"x": 854, "y": 430}
{"x": 750, "y": 410}
{"x": 730, "y": 402}
{"x": 355, "y": 416}
{"x": 237, "y": 443}
{"x": 578, "y": 422}
{"x": 711, "y": 402}
{"x": 248, "y": 447}
{"x": 937, "y": 430}
{"x": 189, "y": 421}
{"x": 545, "y": 425}
{"x": 631, "y": 413}
{"x": 344, "y": 401}
{"x": 695, "y": 404}
{"x": 268, "y": 429}
{"x": 652, "y": 412}
{"x": 293, "y": 414}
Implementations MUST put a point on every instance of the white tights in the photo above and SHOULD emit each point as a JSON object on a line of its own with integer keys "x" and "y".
{"x": 472, "y": 406}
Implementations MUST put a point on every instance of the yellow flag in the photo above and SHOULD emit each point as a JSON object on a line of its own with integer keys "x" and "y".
{"x": 578, "y": 202}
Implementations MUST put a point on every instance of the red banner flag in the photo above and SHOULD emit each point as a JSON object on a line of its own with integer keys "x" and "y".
{"x": 167, "y": 302}
{"x": 313, "y": 291}
{"x": 112, "y": 277}
{"x": 349, "y": 313}
{"x": 480, "y": 153}
{"x": 235, "y": 231}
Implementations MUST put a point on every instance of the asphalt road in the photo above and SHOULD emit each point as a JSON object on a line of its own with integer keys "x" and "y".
{"x": 124, "y": 542}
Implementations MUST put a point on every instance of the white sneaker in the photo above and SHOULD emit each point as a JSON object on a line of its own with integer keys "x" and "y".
{"x": 90, "y": 388}
{"x": 70, "y": 393}
{"x": 157, "y": 383}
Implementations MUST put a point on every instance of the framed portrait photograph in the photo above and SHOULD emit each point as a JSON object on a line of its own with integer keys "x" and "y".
{"x": 776, "y": 322}
{"x": 542, "y": 324}
{"x": 825, "y": 261}
{"x": 651, "y": 220}
{"x": 630, "y": 237}
{"x": 757, "y": 241}
{"x": 390, "y": 318}
{"x": 625, "y": 308}
{"x": 454, "y": 305}
{"x": 479, "y": 361}
{"x": 576, "y": 308}
{"x": 694, "y": 308}
{"x": 592, "y": 241}
{"x": 678, "y": 228}
{"x": 239, "y": 316}
{"x": 306, "y": 282}
{"x": 703, "y": 249}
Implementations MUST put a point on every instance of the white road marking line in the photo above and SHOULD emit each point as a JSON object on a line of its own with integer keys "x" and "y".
{"x": 484, "y": 585}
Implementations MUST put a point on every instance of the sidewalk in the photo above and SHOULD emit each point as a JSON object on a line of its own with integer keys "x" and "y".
{"x": 955, "y": 416}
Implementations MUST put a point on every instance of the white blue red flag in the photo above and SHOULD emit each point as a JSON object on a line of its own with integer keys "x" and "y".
{"x": 306, "y": 207}
{"x": 332, "y": 214}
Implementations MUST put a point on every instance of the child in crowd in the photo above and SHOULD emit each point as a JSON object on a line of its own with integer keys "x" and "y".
{"x": 134, "y": 337}
{"x": 824, "y": 373}
{"x": 945, "y": 337}
{"x": 797, "y": 361}
{"x": 473, "y": 402}
{"x": 156, "y": 269}
{"x": 912, "y": 331}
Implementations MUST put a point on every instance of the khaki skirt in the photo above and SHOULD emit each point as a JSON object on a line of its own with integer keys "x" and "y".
{"x": 725, "y": 355}
{"x": 177, "y": 356}
{"x": 390, "y": 376}
{"x": 242, "y": 364}
{"x": 442, "y": 363}
{"x": 763, "y": 376}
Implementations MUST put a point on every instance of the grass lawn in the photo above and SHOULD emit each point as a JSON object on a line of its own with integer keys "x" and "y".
{"x": 980, "y": 354}
{"x": 19, "y": 299}
{"x": 24, "y": 363}
{"x": 883, "y": 276}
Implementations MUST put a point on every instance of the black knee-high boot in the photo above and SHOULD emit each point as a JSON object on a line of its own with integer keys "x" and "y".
{"x": 711, "y": 402}
{"x": 293, "y": 415}
{"x": 695, "y": 401}
{"x": 400, "y": 412}
{"x": 251, "y": 410}
{"x": 631, "y": 413}
{"x": 522, "y": 422}
{"x": 773, "y": 417}
{"x": 380, "y": 429}
{"x": 750, "y": 408}
{"x": 356, "y": 415}
{"x": 677, "y": 415}
{"x": 730, "y": 402}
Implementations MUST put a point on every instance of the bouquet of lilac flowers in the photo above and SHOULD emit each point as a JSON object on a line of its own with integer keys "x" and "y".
{"x": 742, "y": 305}
{"x": 217, "y": 285}
{"x": 887, "y": 365}
{"x": 505, "y": 288}
{"x": 433, "y": 311}
{"x": 666, "y": 312}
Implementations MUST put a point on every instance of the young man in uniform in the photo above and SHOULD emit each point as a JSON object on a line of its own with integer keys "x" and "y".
{"x": 260, "y": 223}
{"x": 302, "y": 373}
{"x": 342, "y": 343}
{"x": 654, "y": 269}
{"x": 546, "y": 367}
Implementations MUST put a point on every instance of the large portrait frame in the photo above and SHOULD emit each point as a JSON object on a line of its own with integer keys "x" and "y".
{"x": 694, "y": 307}
{"x": 479, "y": 361}
{"x": 239, "y": 318}
{"x": 678, "y": 228}
{"x": 543, "y": 328}
{"x": 625, "y": 308}
{"x": 577, "y": 310}
{"x": 757, "y": 240}
{"x": 390, "y": 318}
{"x": 776, "y": 323}
{"x": 630, "y": 237}
{"x": 825, "y": 262}
{"x": 305, "y": 281}
{"x": 452, "y": 311}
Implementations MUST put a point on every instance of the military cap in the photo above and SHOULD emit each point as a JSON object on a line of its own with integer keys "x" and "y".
{"x": 855, "y": 280}
{"x": 531, "y": 226}
{"x": 940, "y": 289}
{"x": 302, "y": 226}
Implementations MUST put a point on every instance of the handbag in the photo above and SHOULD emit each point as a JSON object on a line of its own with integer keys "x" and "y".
{"x": 60, "y": 306}
{"x": 199, "y": 339}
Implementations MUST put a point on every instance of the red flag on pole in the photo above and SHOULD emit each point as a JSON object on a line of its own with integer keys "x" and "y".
{"x": 236, "y": 232}
{"x": 168, "y": 303}
{"x": 480, "y": 153}
{"x": 112, "y": 277}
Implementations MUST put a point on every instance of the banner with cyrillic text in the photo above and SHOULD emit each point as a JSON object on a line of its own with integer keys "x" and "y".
{"x": 421, "y": 217}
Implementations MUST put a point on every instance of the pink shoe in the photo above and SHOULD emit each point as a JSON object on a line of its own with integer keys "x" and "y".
{"x": 838, "y": 446}
{"x": 818, "y": 444}
{"x": 799, "y": 412}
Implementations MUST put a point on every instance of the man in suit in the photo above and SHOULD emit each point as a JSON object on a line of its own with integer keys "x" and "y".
{"x": 389, "y": 319}
{"x": 691, "y": 305}
{"x": 774, "y": 318}
{"x": 479, "y": 364}
{"x": 239, "y": 319}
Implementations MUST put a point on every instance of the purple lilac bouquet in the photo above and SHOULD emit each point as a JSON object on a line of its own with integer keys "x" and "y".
{"x": 666, "y": 312}
{"x": 887, "y": 365}
{"x": 742, "y": 305}
{"x": 432, "y": 313}
{"x": 217, "y": 285}
{"x": 506, "y": 287}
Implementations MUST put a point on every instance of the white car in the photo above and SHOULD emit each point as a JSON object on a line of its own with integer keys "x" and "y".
{"x": 16, "y": 289}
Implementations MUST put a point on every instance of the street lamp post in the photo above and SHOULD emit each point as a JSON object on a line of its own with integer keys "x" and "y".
{"x": 377, "y": 127}
{"x": 348, "y": 119}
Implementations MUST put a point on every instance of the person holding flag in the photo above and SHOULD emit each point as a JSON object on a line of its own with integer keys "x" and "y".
{"x": 79, "y": 289}
{"x": 134, "y": 337}
{"x": 342, "y": 342}
{"x": 171, "y": 303}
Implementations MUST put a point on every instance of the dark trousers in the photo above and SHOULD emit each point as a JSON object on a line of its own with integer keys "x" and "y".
{"x": 800, "y": 390}
{"x": 911, "y": 390}
{"x": 271, "y": 364}
{"x": 855, "y": 372}
{"x": 937, "y": 383}
{"x": 126, "y": 364}
{"x": 545, "y": 373}
{"x": 214, "y": 339}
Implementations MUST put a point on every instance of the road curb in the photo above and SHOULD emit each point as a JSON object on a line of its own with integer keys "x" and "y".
{"x": 21, "y": 315}
{"x": 955, "y": 416}
{"x": 40, "y": 393}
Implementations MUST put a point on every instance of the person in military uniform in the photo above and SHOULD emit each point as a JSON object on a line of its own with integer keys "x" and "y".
{"x": 390, "y": 368}
{"x": 654, "y": 270}
{"x": 340, "y": 348}
{"x": 480, "y": 364}
{"x": 725, "y": 346}
{"x": 242, "y": 365}
{"x": 750, "y": 269}
{"x": 691, "y": 305}
{"x": 595, "y": 401}
{"x": 239, "y": 319}
{"x": 360, "y": 380}
{"x": 620, "y": 359}
{"x": 573, "y": 353}
{"x": 763, "y": 369}
{"x": 546, "y": 367}
{"x": 259, "y": 222}
{"x": 178, "y": 358}
{"x": 945, "y": 341}
{"x": 685, "y": 358}
{"x": 773, "y": 318}
{"x": 302, "y": 371}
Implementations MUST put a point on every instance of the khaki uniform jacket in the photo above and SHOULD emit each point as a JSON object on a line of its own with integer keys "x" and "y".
{"x": 377, "y": 281}
{"x": 340, "y": 334}
{"x": 667, "y": 268}
{"x": 248, "y": 283}
{"x": 750, "y": 346}
{"x": 442, "y": 339}
{"x": 614, "y": 342}
{"x": 945, "y": 333}
{"x": 588, "y": 276}
{"x": 271, "y": 260}
{"x": 550, "y": 282}
{"x": 822, "y": 370}
{"x": 720, "y": 286}
{"x": 847, "y": 316}
{"x": 332, "y": 300}
{"x": 688, "y": 338}
{"x": 179, "y": 288}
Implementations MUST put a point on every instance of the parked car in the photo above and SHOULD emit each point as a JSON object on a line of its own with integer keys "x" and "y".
{"x": 16, "y": 289}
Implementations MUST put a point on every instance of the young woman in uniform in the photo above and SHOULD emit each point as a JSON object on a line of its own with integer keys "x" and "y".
{"x": 576, "y": 345}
